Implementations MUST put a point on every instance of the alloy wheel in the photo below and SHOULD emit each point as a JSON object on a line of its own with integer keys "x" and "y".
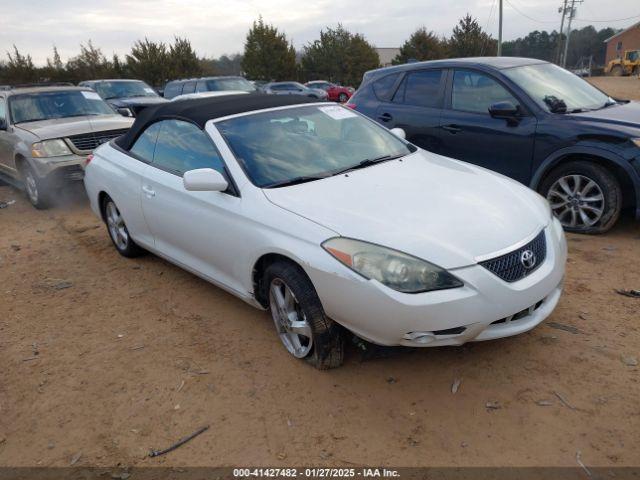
{"x": 577, "y": 201}
{"x": 292, "y": 326}
{"x": 117, "y": 228}
{"x": 31, "y": 186}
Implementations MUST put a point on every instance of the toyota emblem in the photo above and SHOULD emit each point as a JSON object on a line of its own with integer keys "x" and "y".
{"x": 528, "y": 259}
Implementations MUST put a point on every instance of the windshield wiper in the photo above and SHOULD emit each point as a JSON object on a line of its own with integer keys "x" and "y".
{"x": 368, "y": 162}
{"x": 295, "y": 181}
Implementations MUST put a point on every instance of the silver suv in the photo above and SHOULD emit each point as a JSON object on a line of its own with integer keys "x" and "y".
{"x": 46, "y": 134}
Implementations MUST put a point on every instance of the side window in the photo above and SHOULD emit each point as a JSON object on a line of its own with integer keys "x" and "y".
{"x": 146, "y": 142}
{"x": 421, "y": 88}
{"x": 476, "y": 92}
{"x": 3, "y": 109}
{"x": 172, "y": 89}
{"x": 182, "y": 146}
{"x": 382, "y": 87}
{"x": 189, "y": 87}
{"x": 201, "y": 86}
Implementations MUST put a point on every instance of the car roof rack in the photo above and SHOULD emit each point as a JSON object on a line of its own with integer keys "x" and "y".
{"x": 42, "y": 84}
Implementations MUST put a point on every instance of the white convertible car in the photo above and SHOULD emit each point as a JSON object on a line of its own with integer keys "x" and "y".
{"x": 331, "y": 221}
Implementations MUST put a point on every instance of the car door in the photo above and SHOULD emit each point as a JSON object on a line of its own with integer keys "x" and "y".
{"x": 7, "y": 141}
{"x": 416, "y": 107}
{"x": 468, "y": 132}
{"x": 190, "y": 228}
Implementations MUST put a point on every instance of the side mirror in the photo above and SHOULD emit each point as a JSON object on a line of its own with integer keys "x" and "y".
{"x": 204, "y": 180}
{"x": 125, "y": 112}
{"x": 503, "y": 110}
{"x": 399, "y": 132}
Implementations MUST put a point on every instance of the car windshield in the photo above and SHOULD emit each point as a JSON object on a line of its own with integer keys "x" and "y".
{"x": 550, "y": 86}
{"x": 124, "y": 89}
{"x": 238, "y": 83}
{"x": 305, "y": 143}
{"x": 31, "y": 107}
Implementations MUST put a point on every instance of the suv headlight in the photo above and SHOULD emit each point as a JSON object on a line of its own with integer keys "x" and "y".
{"x": 50, "y": 148}
{"x": 397, "y": 270}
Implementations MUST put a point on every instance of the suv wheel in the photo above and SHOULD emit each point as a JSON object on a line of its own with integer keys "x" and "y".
{"x": 36, "y": 188}
{"x": 118, "y": 231}
{"x": 304, "y": 329}
{"x": 584, "y": 196}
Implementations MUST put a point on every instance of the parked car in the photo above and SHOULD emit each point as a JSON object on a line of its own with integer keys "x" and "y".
{"x": 46, "y": 134}
{"x": 127, "y": 97}
{"x": 207, "y": 84}
{"x": 294, "y": 88}
{"x": 330, "y": 221}
{"x": 336, "y": 93}
{"x": 527, "y": 119}
{"x": 222, "y": 93}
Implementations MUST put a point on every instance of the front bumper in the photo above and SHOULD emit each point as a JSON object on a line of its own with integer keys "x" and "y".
{"x": 485, "y": 308}
{"x": 59, "y": 166}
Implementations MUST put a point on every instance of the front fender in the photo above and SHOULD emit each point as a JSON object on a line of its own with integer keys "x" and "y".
{"x": 626, "y": 165}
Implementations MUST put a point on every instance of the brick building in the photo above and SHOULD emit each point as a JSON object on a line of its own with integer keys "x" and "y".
{"x": 627, "y": 39}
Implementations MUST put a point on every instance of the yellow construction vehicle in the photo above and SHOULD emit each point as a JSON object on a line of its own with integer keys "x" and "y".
{"x": 627, "y": 65}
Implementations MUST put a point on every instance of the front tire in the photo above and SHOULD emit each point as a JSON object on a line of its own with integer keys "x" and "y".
{"x": 343, "y": 97}
{"x": 304, "y": 329}
{"x": 37, "y": 189}
{"x": 118, "y": 231}
{"x": 617, "y": 71}
{"x": 585, "y": 196}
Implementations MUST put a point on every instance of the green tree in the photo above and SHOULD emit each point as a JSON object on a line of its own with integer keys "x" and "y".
{"x": 88, "y": 65}
{"x": 268, "y": 55}
{"x": 149, "y": 61}
{"x": 19, "y": 68}
{"x": 183, "y": 59}
{"x": 118, "y": 69}
{"x": 469, "y": 40}
{"x": 421, "y": 45}
{"x": 339, "y": 56}
{"x": 55, "y": 71}
{"x": 223, "y": 65}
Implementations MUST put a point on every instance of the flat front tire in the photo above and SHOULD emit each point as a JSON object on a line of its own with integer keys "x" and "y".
{"x": 300, "y": 322}
{"x": 585, "y": 196}
{"x": 118, "y": 231}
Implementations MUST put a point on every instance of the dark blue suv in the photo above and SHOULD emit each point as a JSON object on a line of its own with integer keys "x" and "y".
{"x": 525, "y": 118}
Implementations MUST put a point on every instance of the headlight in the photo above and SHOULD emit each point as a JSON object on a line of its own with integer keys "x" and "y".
{"x": 50, "y": 148}
{"x": 636, "y": 141}
{"x": 394, "y": 269}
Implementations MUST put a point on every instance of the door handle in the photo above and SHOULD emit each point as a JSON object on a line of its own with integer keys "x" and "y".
{"x": 148, "y": 191}
{"x": 385, "y": 117}
{"x": 451, "y": 128}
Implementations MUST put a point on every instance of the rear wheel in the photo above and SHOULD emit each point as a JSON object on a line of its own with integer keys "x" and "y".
{"x": 584, "y": 196}
{"x": 304, "y": 329}
{"x": 37, "y": 189}
{"x": 118, "y": 231}
{"x": 343, "y": 97}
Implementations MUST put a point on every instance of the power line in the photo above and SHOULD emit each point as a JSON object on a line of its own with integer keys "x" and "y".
{"x": 606, "y": 21}
{"x": 527, "y": 16}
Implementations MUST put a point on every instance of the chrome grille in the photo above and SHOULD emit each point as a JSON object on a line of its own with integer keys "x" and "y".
{"x": 510, "y": 268}
{"x": 86, "y": 142}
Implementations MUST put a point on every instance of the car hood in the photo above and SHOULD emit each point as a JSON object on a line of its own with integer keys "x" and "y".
{"x": 135, "y": 101}
{"x": 626, "y": 114}
{"x": 442, "y": 210}
{"x": 64, "y": 127}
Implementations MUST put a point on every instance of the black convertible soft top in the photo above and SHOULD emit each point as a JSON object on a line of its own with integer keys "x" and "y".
{"x": 201, "y": 110}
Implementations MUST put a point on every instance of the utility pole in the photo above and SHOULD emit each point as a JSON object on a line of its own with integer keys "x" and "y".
{"x": 572, "y": 13}
{"x": 562, "y": 9}
{"x": 500, "y": 30}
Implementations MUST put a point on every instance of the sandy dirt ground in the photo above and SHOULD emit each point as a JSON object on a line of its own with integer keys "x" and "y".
{"x": 619, "y": 87}
{"x": 103, "y": 358}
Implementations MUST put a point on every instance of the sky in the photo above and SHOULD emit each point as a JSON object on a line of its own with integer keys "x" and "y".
{"x": 217, "y": 27}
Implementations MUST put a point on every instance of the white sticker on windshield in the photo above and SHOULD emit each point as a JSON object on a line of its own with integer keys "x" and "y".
{"x": 149, "y": 90}
{"x": 338, "y": 113}
{"x": 90, "y": 95}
